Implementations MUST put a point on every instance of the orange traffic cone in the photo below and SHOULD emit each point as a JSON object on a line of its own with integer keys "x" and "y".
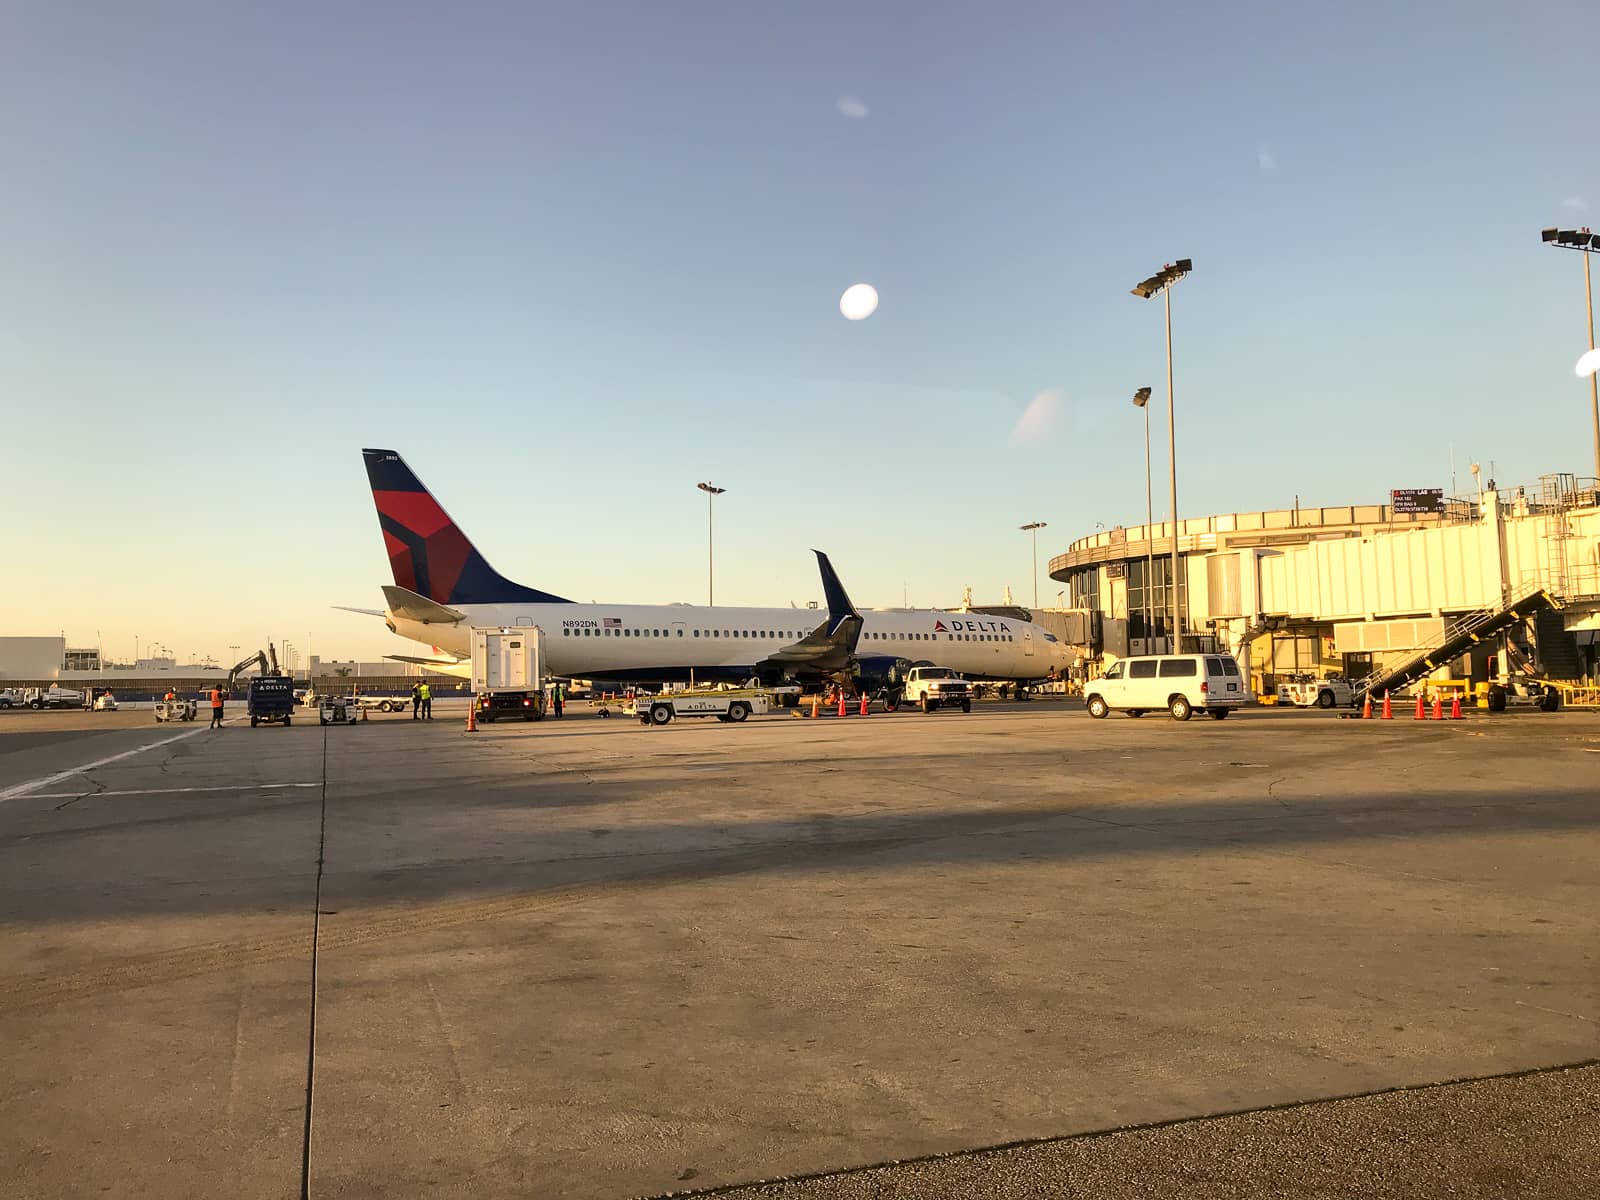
{"x": 1422, "y": 708}
{"x": 816, "y": 706}
{"x": 863, "y": 704}
{"x": 472, "y": 716}
{"x": 1455, "y": 707}
{"x": 1388, "y": 709}
{"x": 1366, "y": 708}
{"x": 841, "y": 703}
{"x": 1438, "y": 707}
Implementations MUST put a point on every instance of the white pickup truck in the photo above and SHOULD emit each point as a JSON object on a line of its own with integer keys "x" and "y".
{"x": 1306, "y": 691}
{"x": 730, "y": 705}
{"x": 932, "y": 688}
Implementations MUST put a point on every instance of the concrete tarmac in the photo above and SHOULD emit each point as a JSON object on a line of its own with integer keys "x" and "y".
{"x": 587, "y": 958}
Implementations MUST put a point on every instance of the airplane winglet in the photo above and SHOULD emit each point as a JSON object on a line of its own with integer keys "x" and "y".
{"x": 839, "y": 606}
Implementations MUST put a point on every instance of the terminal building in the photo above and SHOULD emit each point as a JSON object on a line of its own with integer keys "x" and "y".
{"x": 1353, "y": 590}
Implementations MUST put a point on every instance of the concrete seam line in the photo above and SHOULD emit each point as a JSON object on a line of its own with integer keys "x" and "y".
{"x": 1145, "y": 1127}
{"x": 316, "y": 939}
{"x": 174, "y": 791}
{"x": 22, "y": 789}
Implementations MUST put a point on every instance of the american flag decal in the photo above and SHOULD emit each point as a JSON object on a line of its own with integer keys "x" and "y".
{"x": 613, "y": 622}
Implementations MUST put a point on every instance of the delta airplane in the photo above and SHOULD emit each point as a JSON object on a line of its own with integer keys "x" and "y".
{"x": 443, "y": 587}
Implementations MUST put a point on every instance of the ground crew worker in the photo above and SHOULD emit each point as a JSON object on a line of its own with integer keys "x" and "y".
{"x": 416, "y": 699}
{"x": 426, "y": 694}
{"x": 216, "y": 707}
{"x": 171, "y": 695}
{"x": 560, "y": 700}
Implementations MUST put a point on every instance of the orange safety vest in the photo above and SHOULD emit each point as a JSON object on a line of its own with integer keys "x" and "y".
{"x": 216, "y": 698}
{"x": 170, "y": 695}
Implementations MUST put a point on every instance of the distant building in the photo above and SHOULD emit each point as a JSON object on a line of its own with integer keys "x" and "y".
{"x": 81, "y": 659}
{"x": 31, "y": 657}
{"x": 335, "y": 669}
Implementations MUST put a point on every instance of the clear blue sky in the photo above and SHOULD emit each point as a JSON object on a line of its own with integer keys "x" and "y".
{"x": 571, "y": 259}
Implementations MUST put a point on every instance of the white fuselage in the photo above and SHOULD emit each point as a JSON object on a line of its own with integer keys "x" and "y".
{"x": 587, "y": 641}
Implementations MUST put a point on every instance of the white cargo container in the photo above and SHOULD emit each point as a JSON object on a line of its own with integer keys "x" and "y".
{"x": 508, "y": 672}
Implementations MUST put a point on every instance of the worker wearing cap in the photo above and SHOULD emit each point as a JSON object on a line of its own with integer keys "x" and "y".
{"x": 426, "y": 693}
{"x": 416, "y": 700}
{"x": 216, "y": 706}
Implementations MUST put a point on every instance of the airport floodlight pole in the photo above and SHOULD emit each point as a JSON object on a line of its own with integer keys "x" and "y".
{"x": 1141, "y": 400}
{"x": 712, "y": 492}
{"x": 1160, "y": 284}
{"x": 1589, "y": 243}
{"x": 1033, "y": 527}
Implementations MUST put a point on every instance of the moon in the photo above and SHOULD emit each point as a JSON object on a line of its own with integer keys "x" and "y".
{"x": 860, "y": 301}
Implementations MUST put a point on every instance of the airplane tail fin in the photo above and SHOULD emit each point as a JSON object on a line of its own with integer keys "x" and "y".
{"x": 428, "y": 553}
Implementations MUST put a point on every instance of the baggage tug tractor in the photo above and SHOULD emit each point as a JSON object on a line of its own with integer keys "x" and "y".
{"x": 508, "y": 673}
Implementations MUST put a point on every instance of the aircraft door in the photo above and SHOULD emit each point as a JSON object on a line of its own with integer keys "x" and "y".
{"x": 1027, "y": 643}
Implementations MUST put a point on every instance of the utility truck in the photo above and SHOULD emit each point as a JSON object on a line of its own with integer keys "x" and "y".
{"x": 508, "y": 673}
{"x": 54, "y": 697}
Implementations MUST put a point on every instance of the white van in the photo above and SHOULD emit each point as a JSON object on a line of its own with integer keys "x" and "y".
{"x": 1179, "y": 683}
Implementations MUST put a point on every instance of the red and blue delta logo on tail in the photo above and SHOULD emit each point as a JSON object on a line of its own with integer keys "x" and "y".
{"x": 428, "y": 553}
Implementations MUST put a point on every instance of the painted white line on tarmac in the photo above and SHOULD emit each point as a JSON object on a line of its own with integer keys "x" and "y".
{"x": 22, "y": 789}
{"x": 233, "y": 787}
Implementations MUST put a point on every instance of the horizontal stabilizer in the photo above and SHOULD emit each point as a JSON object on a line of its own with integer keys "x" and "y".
{"x": 406, "y": 603}
{"x": 365, "y": 612}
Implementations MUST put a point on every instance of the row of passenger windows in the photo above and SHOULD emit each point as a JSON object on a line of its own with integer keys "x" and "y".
{"x": 934, "y": 637}
{"x": 727, "y": 633}
{"x": 785, "y": 634}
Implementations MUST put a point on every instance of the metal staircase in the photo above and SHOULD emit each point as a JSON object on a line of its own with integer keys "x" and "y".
{"x": 1460, "y": 635}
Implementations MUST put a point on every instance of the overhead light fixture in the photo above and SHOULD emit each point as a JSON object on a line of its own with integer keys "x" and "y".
{"x": 1141, "y": 397}
{"x": 1184, "y": 265}
{"x": 1586, "y": 242}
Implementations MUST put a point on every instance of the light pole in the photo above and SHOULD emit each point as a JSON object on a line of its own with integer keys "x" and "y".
{"x": 1141, "y": 400}
{"x": 712, "y": 492}
{"x": 1582, "y": 239}
{"x": 1033, "y": 527}
{"x": 1160, "y": 284}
